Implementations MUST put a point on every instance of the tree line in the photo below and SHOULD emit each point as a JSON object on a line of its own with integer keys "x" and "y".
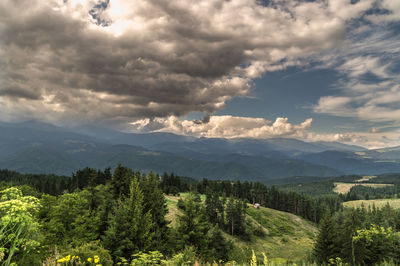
{"x": 108, "y": 217}
{"x": 310, "y": 208}
{"x": 359, "y": 237}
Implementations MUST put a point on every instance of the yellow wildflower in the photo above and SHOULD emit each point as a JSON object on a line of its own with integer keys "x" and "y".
{"x": 68, "y": 258}
{"x": 96, "y": 259}
{"x": 61, "y": 260}
{"x": 89, "y": 259}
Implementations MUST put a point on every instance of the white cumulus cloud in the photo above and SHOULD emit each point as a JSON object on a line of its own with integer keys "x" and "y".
{"x": 226, "y": 126}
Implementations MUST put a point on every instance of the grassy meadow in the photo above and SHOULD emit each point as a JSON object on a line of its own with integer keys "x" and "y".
{"x": 344, "y": 188}
{"x": 281, "y": 236}
{"x": 379, "y": 203}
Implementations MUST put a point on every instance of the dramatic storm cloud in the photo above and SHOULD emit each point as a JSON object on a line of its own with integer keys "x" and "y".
{"x": 125, "y": 60}
{"x": 147, "y": 64}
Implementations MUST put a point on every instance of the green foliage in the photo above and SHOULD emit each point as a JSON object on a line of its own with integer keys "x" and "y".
{"x": 125, "y": 212}
{"x": 130, "y": 226}
{"x": 185, "y": 258}
{"x": 70, "y": 220}
{"x": 120, "y": 181}
{"x": 310, "y": 208}
{"x": 192, "y": 224}
{"x": 155, "y": 203}
{"x": 214, "y": 208}
{"x": 150, "y": 258}
{"x": 218, "y": 247}
{"x": 359, "y": 237}
{"x": 19, "y": 228}
{"x": 91, "y": 250}
{"x": 324, "y": 248}
{"x": 318, "y": 188}
{"x": 374, "y": 245}
{"x": 235, "y": 216}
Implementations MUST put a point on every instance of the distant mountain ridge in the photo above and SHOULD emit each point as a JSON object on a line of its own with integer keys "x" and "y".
{"x": 44, "y": 148}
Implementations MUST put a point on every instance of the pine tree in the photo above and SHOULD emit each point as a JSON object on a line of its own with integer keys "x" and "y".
{"x": 120, "y": 181}
{"x": 230, "y": 215}
{"x": 130, "y": 226}
{"x": 155, "y": 203}
{"x": 218, "y": 246}
{"x": 192, "y": 224}
{"x": 325, "y": 244}
{"x": 352, "y": 222}
{"x": 235, "y": 216}
{"x": 212, "y": 203}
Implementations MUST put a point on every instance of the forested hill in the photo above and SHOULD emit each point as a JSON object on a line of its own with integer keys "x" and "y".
{"x": 252, "y": 192}
{"x": 131, "y": 218}
{"x": 33, "y": 147}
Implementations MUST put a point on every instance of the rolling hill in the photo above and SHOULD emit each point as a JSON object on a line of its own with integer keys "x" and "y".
{"x": 44, "y": 148}
{"x": 286, "y": 237}
{"x": 26, "y": 147}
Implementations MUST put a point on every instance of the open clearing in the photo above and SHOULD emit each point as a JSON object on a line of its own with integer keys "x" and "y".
{"x": 286, "y": 237}
{"x": 173, "y": 210}
{"x": 344, "y": 188}
{"x": 379, "y": 203}
{"x": 366, "y": 178}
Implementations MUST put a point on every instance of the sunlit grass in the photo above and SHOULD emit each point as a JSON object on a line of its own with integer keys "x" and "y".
{"x": 344, "y": 188}
{"x": 379, "y": 203}
{"x": 287, "y": 236}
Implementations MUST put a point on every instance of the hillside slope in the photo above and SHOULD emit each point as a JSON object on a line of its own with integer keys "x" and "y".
{"x": 287, "y": 237}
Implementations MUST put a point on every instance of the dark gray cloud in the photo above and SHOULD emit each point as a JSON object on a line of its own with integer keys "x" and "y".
{"x": 120, "y": 61}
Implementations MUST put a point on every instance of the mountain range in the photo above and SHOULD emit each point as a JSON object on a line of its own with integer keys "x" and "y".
{"x": 36, "y": 147}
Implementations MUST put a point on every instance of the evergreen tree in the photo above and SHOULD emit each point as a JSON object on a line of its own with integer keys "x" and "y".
{"x": 69, "y": 220}
{"x": 213, "y": 206}
{"x": 324, "y": 247}
{"x": 235, "y": 216}
{"x": 230, "y": 215}
{"x": 351, "y": 223}
{"x": 130, "y": 226}
{"x": 120, "y": 181}
{"x": 155, "y": 203}
{"x": 218, "y": 246}
{"x": 192, "y": 224}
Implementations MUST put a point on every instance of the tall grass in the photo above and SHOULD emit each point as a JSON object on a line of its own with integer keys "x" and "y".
{"x": 10, "y": 234}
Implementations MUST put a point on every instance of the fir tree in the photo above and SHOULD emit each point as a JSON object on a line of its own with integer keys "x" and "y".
{"x": 324, "y": 247}
{"x": 154, "y": 202}
{"x": 192, "y": 224}
{"x": 130, "y": 226}
{"x": 218, "y": 246}
{"x": 235, "y": 216}
{"x": 120, "y": 181}
{"x": 212, "y": 204}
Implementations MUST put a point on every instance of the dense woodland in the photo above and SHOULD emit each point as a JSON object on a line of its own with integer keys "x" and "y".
{"x": 120, "y": 217}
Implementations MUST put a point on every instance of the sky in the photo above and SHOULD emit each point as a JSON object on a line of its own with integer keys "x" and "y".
{"x": 323, "y": 70}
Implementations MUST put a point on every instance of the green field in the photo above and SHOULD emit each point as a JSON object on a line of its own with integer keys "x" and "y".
{"x": 379, "y": 203}
{"x": 172, "y": 209}
{"x": 286, "y": 236}
{"x": 344, "y": 188}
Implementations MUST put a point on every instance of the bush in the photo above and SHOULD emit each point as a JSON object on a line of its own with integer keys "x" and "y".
{"x": 151, "y": 258}
{"x": 90, "y": 251}
{"x": 258, "y": 231}
{"x": 185, "y": 258}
